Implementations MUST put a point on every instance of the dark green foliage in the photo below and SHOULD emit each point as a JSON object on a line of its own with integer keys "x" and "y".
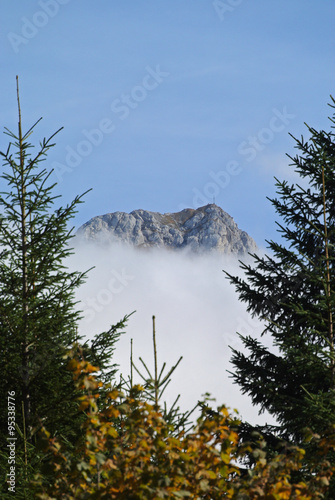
{"x": 292, "y": 290}
{"x": 100, "y": 350}
{"x": 38, "y": 314}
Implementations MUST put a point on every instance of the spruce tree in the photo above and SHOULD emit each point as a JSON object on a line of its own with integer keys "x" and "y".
{"x": 38, "y": 313}
{"x": 293, "y": 291}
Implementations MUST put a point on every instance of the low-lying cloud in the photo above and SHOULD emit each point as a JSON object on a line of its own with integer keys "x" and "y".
{"x": 197, "y": 316}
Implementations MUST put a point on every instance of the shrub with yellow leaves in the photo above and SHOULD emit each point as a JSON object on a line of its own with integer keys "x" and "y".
{"x": 128, "y": 451}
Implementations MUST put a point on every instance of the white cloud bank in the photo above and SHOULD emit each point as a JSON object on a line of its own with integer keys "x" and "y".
{"x": 197, "y": 316}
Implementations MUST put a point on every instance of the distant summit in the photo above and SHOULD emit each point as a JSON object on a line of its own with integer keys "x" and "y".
{"x": 206, "y": 228}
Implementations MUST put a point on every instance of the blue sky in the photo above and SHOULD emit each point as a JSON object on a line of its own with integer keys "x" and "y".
{"x": 166, "y": 105}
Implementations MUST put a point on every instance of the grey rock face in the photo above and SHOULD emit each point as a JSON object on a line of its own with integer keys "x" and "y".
{"x": 206, "y": 228}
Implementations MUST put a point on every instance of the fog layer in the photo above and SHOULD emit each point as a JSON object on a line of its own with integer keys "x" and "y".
{"x": 197, "y": 315}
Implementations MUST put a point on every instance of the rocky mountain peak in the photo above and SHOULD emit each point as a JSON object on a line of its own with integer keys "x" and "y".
{"x": 205, "y": 228}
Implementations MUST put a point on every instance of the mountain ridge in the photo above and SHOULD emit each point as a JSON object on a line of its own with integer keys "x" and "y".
{"x": 206, "y": 228}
